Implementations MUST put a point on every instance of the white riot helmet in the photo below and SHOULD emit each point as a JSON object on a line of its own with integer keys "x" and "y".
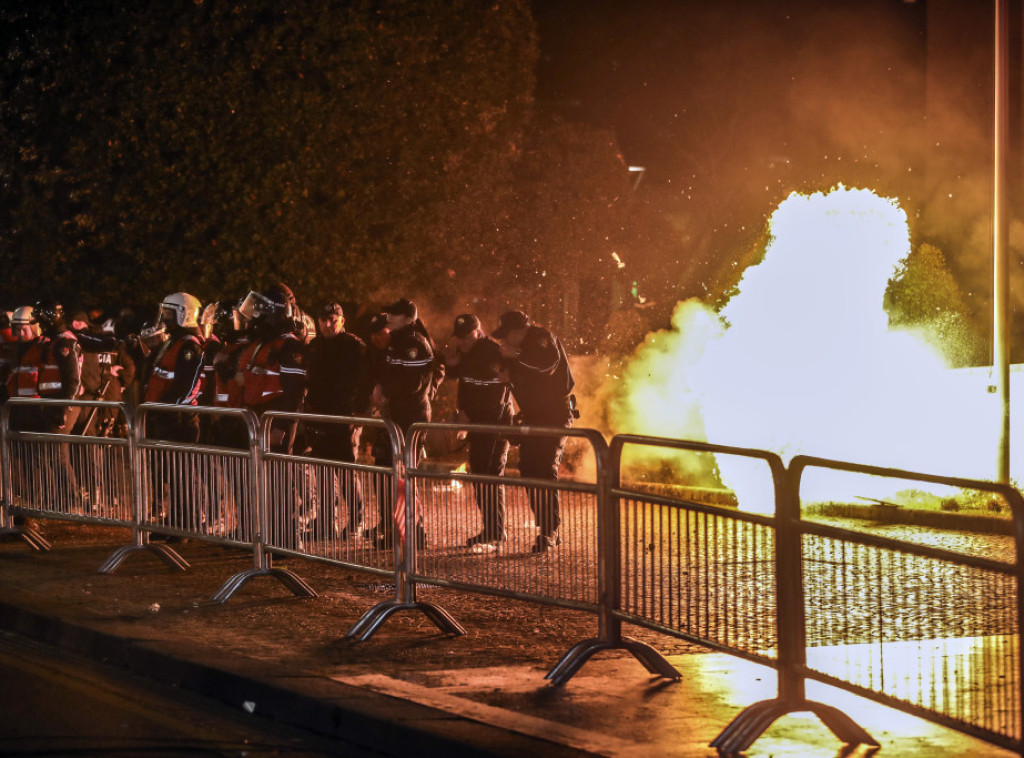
{"x": 185, "y": 308}
{"x": 24, "y": 315}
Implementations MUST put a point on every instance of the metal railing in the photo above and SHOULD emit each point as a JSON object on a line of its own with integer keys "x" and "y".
{"x": 62, "y": 476}
{"x": 925, "y": 628}
{"x": 333, "y": 511}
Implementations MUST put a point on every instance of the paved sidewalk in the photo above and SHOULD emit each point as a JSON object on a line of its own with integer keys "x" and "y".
{"x": 409, "y": 690}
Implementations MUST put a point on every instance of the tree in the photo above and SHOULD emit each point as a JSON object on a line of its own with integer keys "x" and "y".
{"x": 923, "y": 294}
{"x": 167, "y": 144}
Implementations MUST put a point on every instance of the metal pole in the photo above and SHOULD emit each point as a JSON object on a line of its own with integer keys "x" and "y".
{"x": 1001, "y": 237}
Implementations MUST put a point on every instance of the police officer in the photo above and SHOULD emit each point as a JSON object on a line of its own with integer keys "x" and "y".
{"x": 484, "y": 397}
{"x": 60, "y": 374}
{"x": 273, "y": 366}
{"x": 233, "y": 337}
{"x": 106, "y": 370}
{"x": 176, "y": 378}
{"x": 542, "y": 385}
{"x": 23, "y": 364}
{"x": 338, "y": 385}
{"x": 404, "y": 389}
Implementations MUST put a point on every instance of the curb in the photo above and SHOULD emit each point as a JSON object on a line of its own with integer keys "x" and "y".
{"x": 371, "y": 720}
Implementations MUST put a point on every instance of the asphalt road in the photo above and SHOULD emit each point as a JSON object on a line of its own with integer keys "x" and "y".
{"x": 53, "y": 703}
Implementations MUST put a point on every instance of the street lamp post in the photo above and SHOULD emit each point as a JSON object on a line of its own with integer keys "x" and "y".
{"x": 1001, "y": 237}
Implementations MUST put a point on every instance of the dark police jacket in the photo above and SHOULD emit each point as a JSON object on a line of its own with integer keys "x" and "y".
{"x": 541, "y": 379}
{"x": 483, "y": 396}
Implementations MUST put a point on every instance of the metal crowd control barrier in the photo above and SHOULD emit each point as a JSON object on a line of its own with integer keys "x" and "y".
{"x": 62, "y": 476}
{"x": 706, "y": 573}
{"x": 205, "y": 492}
{"x": 690, "y": 569}
{"x": 453, "y": 509}
{"x": 928, "y": 630}
{"x": 329, "y": 510}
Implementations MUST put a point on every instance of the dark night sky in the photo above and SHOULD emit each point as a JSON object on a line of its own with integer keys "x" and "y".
{"x": 661, "y": 71}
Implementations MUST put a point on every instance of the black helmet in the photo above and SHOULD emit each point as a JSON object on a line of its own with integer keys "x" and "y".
{"x": 50, "y": 317}
{"x": 274, "y": 308}
{"x": 221, "y": 318}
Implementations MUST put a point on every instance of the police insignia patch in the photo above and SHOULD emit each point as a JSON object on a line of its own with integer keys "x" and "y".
{"x": 544, "y": 342}
{"x": 412, "y": 352}
{"x": 64, "y": 351}
{"x": 188, "y": 355}
{"x": 298, "y": 358}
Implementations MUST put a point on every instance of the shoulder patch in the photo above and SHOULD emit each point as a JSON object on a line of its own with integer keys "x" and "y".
{"x": 64, "y": 351}
{"x": 188, "y": 354}
{"x": 544, "y": 342}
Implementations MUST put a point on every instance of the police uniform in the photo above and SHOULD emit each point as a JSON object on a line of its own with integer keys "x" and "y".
{"x": 408, "y": 379}
{"x": 274, "y": 379}
{"x": 338, "y": 385}
{"x": 542, "y": 385}
{"x": 484, "y": 398}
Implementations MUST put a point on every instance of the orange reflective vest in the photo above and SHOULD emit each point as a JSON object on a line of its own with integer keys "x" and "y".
{"x": 229, "y": 392}
{"x": 24, "y": 378}
{"x": 162, "y": 378}
{"x": 261, "y": 367}
{"x": 50, "y": 383}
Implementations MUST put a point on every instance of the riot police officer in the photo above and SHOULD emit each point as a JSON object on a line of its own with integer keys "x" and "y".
{"x": 273, "y": 366}
{"x": 542, "y": 385}
{"x": 405, "y": 386}
{"x": 484, "y": 397}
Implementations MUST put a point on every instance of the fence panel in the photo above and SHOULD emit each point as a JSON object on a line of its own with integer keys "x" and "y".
{"x": 207, "y": 492}
{"x": 61, "y": 476}
{"x": 333, "y": 511}
{"x": 689, "y": 562}
{"x": 451, "y": 503}
{"x": 915, "y": 618}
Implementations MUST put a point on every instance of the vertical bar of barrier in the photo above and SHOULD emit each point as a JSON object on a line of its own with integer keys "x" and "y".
{"x": 406, "y": 551}
{"x": 263, "y": 565}
{"x": 140, "y": 504}
{"x": 609, "y": 578}
{"x": 755, "y": 719}
{"x": 28, "y": 534}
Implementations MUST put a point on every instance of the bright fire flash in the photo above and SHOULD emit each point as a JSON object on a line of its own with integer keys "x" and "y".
{"x": 802, "y": 359}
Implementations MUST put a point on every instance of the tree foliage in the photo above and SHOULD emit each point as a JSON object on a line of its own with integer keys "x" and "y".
{"x": 923, "y": 294}
{"x": 358, "y": 151}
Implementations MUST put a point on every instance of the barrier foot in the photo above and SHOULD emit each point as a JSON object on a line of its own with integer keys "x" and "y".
{"x": 30, "y": 535}
{"x": 291, "y": 580}
{"x": 170, "y": 558}
{"x": 371, "y": 621}
{"x": 754, "y": 720}
{"x": 581, "y": 652}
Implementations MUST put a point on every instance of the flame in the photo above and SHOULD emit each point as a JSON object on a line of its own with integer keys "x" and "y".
{"x": 460, "y": 469}
{"x": 801, "y": 359}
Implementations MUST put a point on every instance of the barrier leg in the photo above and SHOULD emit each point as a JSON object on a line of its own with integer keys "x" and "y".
{"x": 291, "y": 580}
{"x": 166, "y": 554}
{"x": 29, "y": 534}
{"x": 370, "y": 621}
{"x": 581, "y": 652}
{"x": 754, "y": 720}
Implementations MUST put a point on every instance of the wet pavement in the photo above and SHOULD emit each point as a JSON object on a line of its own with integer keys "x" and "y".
{"x": 409, "y": 690}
